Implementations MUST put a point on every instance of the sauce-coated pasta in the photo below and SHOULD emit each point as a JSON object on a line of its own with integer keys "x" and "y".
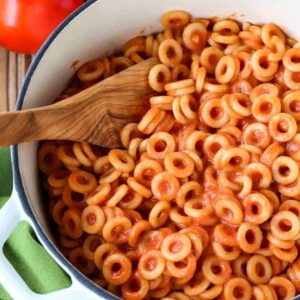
{"x": 203, "y": 201}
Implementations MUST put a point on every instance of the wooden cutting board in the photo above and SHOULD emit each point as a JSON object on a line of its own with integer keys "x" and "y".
{"x": 12, "y": 71}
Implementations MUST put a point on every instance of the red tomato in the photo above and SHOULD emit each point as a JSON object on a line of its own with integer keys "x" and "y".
{"x": 25, "y": 24}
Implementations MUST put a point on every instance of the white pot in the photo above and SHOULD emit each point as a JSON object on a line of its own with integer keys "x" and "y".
{"x": 95, "y": 30}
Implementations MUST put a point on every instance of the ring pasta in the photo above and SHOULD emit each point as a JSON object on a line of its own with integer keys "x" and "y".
{"x": 203, "y": 199}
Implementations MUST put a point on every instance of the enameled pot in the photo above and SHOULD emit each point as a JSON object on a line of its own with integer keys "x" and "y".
{"x": 96, "y": 29}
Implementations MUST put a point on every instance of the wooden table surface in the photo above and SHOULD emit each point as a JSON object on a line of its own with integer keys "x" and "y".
{"x": 12, "y": 70}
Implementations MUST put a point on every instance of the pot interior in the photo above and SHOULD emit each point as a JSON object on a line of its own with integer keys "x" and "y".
{"x": 101, "y": 29}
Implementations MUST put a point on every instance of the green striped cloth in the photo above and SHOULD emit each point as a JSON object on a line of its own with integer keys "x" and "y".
{"x": 22, "y": 249}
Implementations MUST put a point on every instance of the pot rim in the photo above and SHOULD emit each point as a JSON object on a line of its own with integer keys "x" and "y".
{"x": 17, "y": 178}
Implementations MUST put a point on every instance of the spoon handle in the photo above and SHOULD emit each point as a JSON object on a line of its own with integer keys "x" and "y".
{"x": 50, "y": 122}
{"x": 65, "y": 120}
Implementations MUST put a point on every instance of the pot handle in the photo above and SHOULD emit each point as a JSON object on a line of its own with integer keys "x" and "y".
{"x": 10, "y": 216}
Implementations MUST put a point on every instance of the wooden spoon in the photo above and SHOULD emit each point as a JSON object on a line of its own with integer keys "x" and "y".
{"x": 94, "y": 115}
